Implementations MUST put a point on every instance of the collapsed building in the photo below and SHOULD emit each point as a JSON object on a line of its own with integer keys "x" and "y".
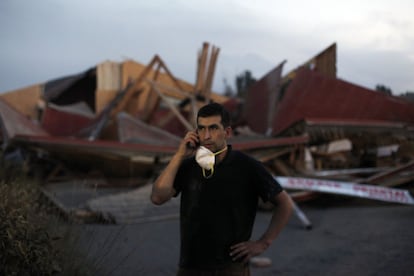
{"x": 125, "y": 119}
{"x": 348, "y": 126}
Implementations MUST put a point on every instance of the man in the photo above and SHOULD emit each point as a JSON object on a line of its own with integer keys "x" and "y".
{"x": 219, "y": 190}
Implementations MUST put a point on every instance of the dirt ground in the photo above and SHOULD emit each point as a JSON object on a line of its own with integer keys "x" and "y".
{"x": 349, "y": 237}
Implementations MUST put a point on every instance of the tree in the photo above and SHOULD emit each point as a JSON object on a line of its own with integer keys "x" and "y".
{"x": 409, "y": 95}
{"x": 383, "y": 89}
{"x": 228, "y": 90}
{"x": 243, "y": 82}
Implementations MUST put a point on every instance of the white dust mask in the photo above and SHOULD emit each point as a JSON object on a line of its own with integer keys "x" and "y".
{"x": 206, "y": 159}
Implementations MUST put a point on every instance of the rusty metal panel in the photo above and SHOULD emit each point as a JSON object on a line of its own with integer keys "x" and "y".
{"x": 261, "y": 100}
{"x": 63, "y": 123}
{"x": 323, "y": 63}
{"x": 312, "y": 95}
{"x": 133, "y": 130}
{"x": 110, "y": 157}
{"x": 261, "y": 143}
{"x": 165, "y": 119}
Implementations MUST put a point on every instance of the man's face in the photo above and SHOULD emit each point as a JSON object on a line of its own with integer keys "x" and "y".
{"x": 211, "y": 133}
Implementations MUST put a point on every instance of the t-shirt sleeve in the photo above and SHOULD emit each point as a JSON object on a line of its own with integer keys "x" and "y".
{"x": 180, "y": 177}
{"x": 177, "y": 182}
{"x": 268, "y": 187}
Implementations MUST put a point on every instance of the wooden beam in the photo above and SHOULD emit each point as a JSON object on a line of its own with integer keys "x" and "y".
{"x": 152, "y": 100}
{"x": 202, "y": 59}
{"x": 174, "y": 109}
{"x": 128, "y": 95}
{"x": 210, "y": 73}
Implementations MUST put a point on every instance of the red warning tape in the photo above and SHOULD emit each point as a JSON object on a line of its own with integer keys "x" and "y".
{"x": 347, "y": 188}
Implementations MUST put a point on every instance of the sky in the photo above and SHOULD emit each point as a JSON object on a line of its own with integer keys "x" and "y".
{"x": 47, "y": 39}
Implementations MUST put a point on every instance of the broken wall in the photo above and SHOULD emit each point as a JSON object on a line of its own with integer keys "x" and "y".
{"x": 26, "y": 100}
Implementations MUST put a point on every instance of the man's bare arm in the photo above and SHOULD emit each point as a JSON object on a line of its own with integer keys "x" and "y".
{"x": 281, "y": 214}
{"x": 280, "y": 217}
{"x": 162, "y": 189}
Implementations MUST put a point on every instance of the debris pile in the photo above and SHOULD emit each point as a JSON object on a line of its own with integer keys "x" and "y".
{"x": 124, "y": 121}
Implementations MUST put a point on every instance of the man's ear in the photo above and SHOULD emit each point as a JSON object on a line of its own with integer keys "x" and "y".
{"x": 229, "y": 132}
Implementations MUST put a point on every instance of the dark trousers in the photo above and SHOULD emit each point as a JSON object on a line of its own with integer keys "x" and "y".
{"x": 231, "y": 270}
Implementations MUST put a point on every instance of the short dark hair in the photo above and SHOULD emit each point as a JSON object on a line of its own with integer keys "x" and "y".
{"x": 213, "y": 109}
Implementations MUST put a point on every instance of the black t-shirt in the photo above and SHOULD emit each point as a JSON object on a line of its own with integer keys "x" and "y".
{"x": 219, "y": 211}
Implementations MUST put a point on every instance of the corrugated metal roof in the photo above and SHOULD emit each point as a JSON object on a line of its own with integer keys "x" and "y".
{"x": 313, "y": 95}
{"x": 261, "y": 100}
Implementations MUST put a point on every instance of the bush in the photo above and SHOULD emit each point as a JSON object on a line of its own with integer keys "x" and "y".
{"x": 25, "y": 245}
{"x": 33, "y": 241}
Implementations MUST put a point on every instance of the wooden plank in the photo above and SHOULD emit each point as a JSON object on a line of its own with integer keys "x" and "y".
{"x": 140, "y": 81}
{"x": 202, "y": 59}
{"x": 281, "y": 168}
{"x": 390, "y": 174}
{"x": 174, "y": 109}
{"x": 151, "y": 100}
{"x": 123, "y": 102}
{"x": 267, "y": 155}
{"x": 210, "y": 73}
{"x": 108, "y": 76}
{"x": 26, "y": 100}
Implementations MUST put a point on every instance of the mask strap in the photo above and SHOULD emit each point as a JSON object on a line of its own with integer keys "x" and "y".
{"x": 212, "y": 167}
{"x": 220, "y": 151}
{"x": 211, "y": 173}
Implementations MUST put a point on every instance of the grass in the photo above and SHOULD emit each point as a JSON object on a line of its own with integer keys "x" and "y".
{"x": 33, "y": 241}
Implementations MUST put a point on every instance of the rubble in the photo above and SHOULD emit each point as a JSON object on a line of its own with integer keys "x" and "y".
{"x": 124, "y": 120}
